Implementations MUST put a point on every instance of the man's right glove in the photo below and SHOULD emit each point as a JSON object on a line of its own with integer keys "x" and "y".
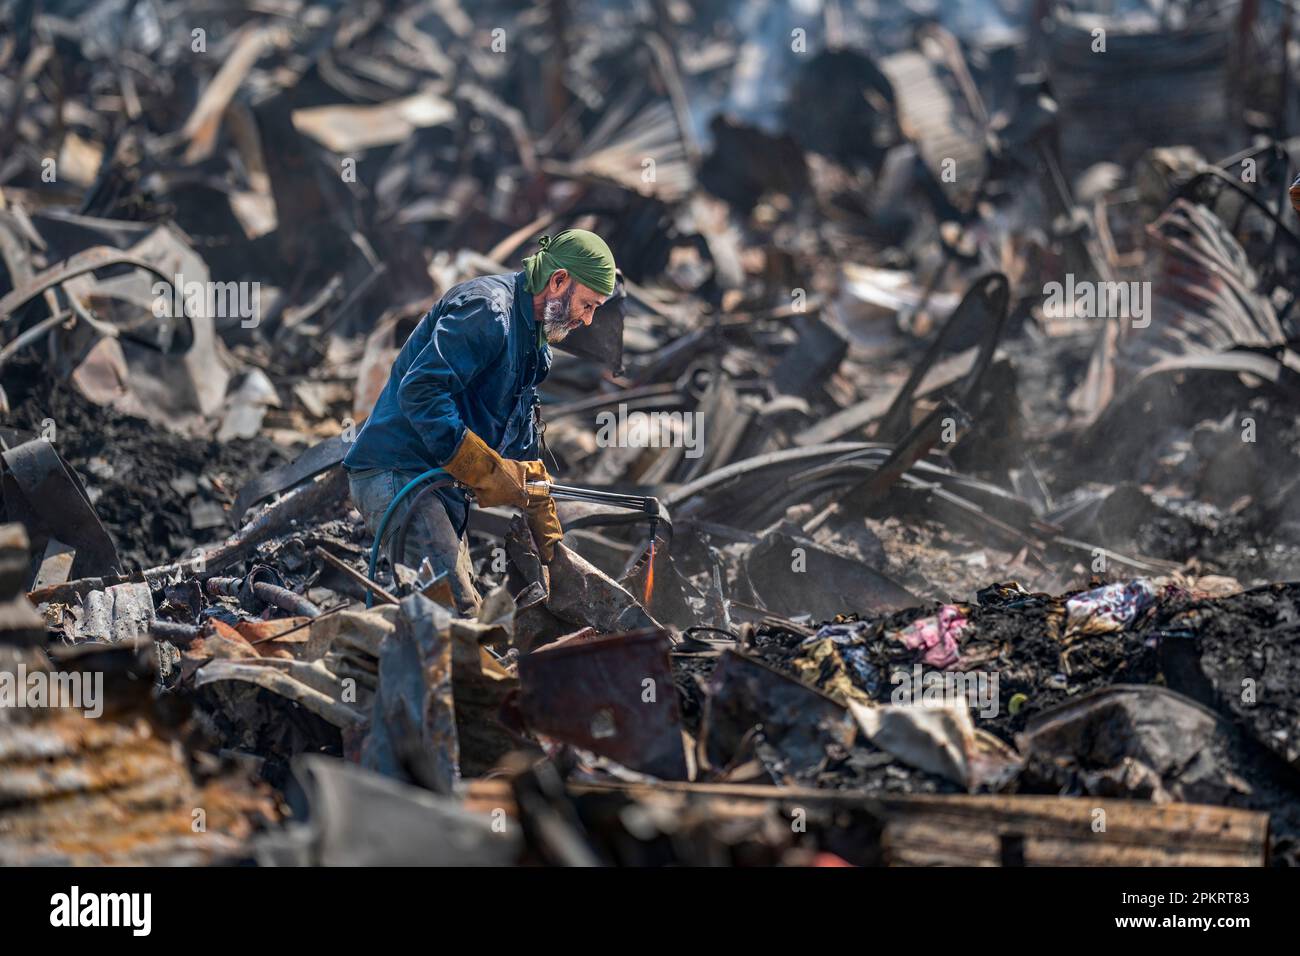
{"x": 545, "y": 526}
{"x": 494, "y": 480}
{"x": 543, "y": 522}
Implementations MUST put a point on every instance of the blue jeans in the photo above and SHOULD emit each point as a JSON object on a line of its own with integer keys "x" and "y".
{"x": 429, "y": 532}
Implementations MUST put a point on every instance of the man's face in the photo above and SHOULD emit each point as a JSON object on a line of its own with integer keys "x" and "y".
{"x": 568, "y": 305}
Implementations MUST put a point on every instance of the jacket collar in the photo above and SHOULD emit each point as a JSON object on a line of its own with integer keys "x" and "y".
{"x": 524, "y": 309}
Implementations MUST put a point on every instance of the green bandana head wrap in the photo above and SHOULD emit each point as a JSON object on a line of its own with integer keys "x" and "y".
{"x": 584, "y": 254}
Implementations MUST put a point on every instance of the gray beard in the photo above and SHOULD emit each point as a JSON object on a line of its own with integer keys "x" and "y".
{"x": 555, "y": 318}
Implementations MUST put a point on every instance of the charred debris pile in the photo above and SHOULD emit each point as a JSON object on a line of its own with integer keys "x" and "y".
{"x": 956, "y": 349}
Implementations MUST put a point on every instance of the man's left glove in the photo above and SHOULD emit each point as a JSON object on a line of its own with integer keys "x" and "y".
{"x": 543, "y": 522}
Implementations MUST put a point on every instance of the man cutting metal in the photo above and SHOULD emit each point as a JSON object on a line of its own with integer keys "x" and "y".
{"x": 462, "y": 396}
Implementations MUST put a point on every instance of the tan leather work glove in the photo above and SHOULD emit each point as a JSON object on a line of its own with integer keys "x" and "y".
{"x": 545, "y": 526}
{"x": 493, "y": 479}
{"x": 543, "y": 522}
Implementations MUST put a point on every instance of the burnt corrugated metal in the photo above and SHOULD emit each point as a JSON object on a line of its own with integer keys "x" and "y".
{"x": 932, "y": 115}
{"x": 1150, "y": 87}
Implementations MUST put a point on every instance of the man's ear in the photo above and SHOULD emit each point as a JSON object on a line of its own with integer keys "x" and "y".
{"x": 559, "y": 279}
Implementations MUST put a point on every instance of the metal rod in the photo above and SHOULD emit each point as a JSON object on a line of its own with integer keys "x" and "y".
{"x": 571, "y": 493}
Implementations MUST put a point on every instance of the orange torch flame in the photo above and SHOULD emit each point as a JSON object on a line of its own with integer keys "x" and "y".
{"x": 650, "y": 575}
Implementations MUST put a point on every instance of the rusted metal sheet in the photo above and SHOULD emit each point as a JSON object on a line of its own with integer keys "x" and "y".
{"x": 610, "y": 694}
{"x": 116, "y": 788}
{"x": 75, "y": 791}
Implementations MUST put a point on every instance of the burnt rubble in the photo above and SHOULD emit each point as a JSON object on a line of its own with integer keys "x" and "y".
{"x": 957, "y": 360}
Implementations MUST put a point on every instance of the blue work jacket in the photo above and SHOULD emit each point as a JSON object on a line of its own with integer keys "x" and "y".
{"x": 474, "y": 361}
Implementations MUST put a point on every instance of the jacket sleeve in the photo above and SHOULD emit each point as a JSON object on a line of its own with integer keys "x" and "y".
{"x": 467, "y": 338}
